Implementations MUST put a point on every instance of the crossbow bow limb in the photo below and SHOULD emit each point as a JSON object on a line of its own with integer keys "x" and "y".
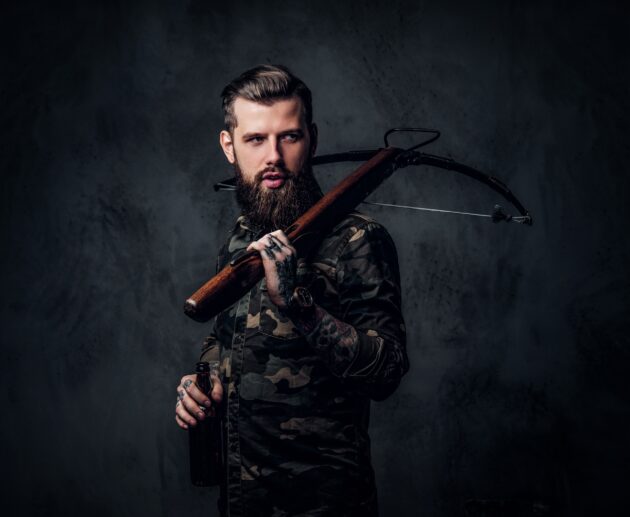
{"x": 245, "y": 269}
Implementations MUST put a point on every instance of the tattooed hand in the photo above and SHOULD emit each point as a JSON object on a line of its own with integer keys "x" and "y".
{"x": 192, "y": 404}
{"x": 280, "y": 263}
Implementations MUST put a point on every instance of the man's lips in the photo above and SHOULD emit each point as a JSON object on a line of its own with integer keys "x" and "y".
{"x": 273, "y": 179}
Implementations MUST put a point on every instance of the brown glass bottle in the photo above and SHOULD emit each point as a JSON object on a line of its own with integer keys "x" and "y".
{"x": 205, "y": 438}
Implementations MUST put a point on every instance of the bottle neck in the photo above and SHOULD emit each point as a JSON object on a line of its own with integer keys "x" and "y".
{"x": 203, "y": 377}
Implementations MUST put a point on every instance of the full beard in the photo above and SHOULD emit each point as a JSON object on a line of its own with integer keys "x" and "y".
{"x": 273, "y": 209}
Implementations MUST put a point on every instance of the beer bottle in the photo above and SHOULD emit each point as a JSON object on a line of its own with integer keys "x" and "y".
{"x": 205, "y": 438}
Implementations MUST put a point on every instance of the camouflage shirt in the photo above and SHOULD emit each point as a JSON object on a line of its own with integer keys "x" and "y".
{"x": 296, "y": 414}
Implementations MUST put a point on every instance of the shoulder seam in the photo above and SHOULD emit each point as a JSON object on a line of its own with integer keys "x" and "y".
{"x": 365, "y": 223}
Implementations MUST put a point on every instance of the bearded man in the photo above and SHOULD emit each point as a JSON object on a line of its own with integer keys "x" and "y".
{"x": 304, "y": 352}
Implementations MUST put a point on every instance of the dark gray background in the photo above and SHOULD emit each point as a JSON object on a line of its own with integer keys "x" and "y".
{"x": 518, "y": 337}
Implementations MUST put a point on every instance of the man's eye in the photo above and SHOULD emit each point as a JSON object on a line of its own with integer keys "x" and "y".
{"x": 291, "y": 137}
{"x": 255, "y": 139}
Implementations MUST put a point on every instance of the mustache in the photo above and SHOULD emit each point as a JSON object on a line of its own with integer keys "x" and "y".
{"x": 274, "y": 169}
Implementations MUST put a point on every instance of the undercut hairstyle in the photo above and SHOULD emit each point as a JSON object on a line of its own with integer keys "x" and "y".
{"x": 265, "y": 84}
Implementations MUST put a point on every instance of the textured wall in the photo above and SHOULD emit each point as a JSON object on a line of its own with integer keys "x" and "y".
{"x": 518, "y": 337}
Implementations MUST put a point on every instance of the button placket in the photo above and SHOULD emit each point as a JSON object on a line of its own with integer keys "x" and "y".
{"x": 234, "y": 453}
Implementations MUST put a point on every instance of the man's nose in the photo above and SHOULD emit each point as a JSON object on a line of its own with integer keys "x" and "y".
{"x": 274, "y": 152}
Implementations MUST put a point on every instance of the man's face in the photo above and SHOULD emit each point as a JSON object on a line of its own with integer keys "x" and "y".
{"x": 271, "y": 149}
{"x": 272, "y": 140}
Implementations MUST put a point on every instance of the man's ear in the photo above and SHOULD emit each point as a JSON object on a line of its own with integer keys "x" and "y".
{"x": 313, "y": 139}
{"x": 225, "y": 139}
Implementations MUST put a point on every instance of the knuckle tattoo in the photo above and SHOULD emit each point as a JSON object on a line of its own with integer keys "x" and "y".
{"x": 277, "y": 242}
{"x": 187, "y": 384}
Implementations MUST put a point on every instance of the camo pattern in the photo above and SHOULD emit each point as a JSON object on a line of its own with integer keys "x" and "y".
{"x": 297, "y": 415}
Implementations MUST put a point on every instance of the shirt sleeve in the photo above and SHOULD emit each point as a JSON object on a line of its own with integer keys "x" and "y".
{"x": 368, "y": 280}
{"x": 365, "y": 343}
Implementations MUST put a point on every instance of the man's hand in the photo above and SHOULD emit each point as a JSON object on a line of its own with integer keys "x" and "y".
{"x": 192, "y": 404}
{"x": 280, "y": 263}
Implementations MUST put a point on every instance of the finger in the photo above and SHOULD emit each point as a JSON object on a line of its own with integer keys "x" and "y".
{"x": 190, "y": 410}
{"x": 282, "y": 237}
{"x": 256, "y": 245}
{"x": 184, "y": 415}
{"x": 277, "y": 243}
{"x": 180, "y": 422}
{"x": 191, "y": 388}
{"x": 274, "y": 243}
{"x": 287, "y": 251}
{"x": 217, "y": 390}
{"x": 274, "y": 249}
{"x": 192, "y": 407}
{"x": 271, "y": 252}
{"x": 262, "y": 246}
{"x": 185, "y": 378}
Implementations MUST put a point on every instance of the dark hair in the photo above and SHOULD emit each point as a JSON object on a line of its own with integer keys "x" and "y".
{"x": 265, "y": 84}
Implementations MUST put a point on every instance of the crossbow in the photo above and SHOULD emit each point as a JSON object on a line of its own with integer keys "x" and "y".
{"x": 246, "y": 269}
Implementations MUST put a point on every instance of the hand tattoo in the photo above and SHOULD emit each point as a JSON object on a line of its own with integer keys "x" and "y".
{"x": 275, "y": 243}
{"x": 274, "y": 246}
{"x": 286, "y": 278}
{"x": 180, "y": 395}
{"x": 187, "y": 384}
